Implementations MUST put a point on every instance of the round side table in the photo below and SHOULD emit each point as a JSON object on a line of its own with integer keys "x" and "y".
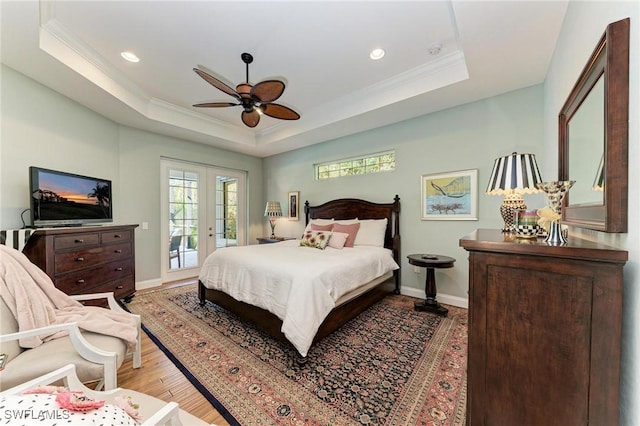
{"x": 431, "y": 261}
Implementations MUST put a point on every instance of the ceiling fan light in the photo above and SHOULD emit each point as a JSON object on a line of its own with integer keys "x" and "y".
{"x": 376, "y": 54}
{"x": 130, "y": 56}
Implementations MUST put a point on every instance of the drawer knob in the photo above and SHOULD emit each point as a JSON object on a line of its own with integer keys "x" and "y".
{"x": 120, "y": 287}
{"x": 117, "y": 251}
{"x": 117, "y": 236}
{"x": 80, "y": 281}
{"x": 118, "y": 269}
{"x": 79, "y": 241}
{"x": 80, "y": 259}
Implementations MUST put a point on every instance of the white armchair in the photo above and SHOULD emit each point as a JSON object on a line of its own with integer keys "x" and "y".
{"x": 97, "y": 357}
{"x": 115, "y": 306}
{"x": 153, "y": 410}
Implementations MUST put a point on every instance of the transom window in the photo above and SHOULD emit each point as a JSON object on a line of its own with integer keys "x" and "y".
{"x": 372, "y": 163}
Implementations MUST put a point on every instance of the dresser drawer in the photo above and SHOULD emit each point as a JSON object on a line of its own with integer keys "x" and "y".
{"x": 115, "y": 236}
{"x": 121, "y": 289}
{"x": 80, "y": 259}
{"x": 82, "y": 281}
{"x": 75, "y": 240}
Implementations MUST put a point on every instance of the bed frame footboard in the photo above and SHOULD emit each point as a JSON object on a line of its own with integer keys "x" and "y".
{"x": 272, "y": 325}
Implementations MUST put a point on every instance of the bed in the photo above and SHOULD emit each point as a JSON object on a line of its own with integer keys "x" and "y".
{"x": 243, "y": 279}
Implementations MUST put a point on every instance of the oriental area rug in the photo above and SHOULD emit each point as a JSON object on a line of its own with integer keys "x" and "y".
{"x": 389, "y": 366}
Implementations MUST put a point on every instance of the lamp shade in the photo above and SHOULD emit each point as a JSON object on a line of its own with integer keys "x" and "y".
{"x": 515, "y": 173}
{"x": 273, "y": 209}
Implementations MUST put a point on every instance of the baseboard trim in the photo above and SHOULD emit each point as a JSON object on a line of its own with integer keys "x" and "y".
{"x": 447, "y": 299}
{"x": 142, "y": 285}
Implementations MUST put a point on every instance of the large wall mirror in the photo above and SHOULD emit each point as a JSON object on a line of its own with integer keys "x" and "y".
{"x": 593, "y": 137}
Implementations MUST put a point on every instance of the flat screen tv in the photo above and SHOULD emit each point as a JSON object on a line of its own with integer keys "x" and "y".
{"x": 66, "y": 199}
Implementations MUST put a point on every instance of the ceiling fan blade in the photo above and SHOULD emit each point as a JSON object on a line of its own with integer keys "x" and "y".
{"x": 279, "y": 111}
{"x": 251, "y": 119}
{"x": 216, "y": 83}
{"x": 267, "y": 91}
{"x": 215, "y": 104}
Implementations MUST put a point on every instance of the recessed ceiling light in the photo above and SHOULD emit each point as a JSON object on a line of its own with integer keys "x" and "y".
{"x": 130, "y": 56}
{"x": 376, "y": 54}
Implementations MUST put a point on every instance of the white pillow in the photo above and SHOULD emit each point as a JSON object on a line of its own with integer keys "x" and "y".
{"x": 318, "y": 222}
{"x": 346, "y": 221}
{"x": 371, "y": 232}
{"x": 338, "y": 239}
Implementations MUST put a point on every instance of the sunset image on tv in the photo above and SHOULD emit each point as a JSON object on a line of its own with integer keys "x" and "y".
{"x": 63, "y": 197}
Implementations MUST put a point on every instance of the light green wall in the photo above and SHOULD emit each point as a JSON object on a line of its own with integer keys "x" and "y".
{"x": 584, "y": 24}
{"x": 466, "y": 137}
{"x": 42, "y": 128}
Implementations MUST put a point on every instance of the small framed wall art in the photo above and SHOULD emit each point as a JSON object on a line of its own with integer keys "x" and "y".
{"x": 294, "y": 205}
{"x": 450, "y": 195}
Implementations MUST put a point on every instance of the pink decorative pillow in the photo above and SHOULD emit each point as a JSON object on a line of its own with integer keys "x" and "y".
{"x": 338, "y": 239}
{"x": 315, "y": 227}
{"x": 352, "y": 230}
{"x": 317, "y": 222}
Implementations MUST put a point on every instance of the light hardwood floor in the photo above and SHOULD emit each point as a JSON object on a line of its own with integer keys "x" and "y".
{"x": 159, "y": 377}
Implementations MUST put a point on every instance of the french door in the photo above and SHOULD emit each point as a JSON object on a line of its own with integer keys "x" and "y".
{"x": 203, "y": 208}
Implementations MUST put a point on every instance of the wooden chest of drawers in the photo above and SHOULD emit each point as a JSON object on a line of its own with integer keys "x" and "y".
{"x": 545, "y": 326}
{"x": 88, "y": 259}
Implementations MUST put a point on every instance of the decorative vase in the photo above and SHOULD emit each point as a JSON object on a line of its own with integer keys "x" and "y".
{"x": 555, "y": 192}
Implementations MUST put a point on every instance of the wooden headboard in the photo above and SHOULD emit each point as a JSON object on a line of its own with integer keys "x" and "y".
{"x": 351, "y": 208}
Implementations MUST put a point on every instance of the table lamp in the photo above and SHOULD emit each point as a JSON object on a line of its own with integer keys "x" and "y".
{"x": 512, "y": 176}
{"x": 273, "y": 211}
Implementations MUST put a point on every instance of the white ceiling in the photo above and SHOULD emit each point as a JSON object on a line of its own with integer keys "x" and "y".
{"x": 319, "y": 48}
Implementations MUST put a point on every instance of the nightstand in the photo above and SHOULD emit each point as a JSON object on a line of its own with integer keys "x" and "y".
{"x": 431, "y": 261}
{"x": 269, "y": 240}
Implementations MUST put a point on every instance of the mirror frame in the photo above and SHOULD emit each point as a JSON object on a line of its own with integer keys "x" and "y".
{"x": 611, "y": 59}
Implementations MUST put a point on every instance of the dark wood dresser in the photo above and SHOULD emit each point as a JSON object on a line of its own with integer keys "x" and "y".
{"x": 544, "y": 331}
{"x": 87, "y": 259}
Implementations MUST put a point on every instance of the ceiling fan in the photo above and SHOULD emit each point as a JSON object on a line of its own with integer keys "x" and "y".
{"x": 255, "y": 100}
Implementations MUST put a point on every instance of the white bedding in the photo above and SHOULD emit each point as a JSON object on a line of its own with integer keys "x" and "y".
{"x": 299, "y": 285}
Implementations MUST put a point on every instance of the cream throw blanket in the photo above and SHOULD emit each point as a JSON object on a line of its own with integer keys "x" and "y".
{"x": 35, "y": 302}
